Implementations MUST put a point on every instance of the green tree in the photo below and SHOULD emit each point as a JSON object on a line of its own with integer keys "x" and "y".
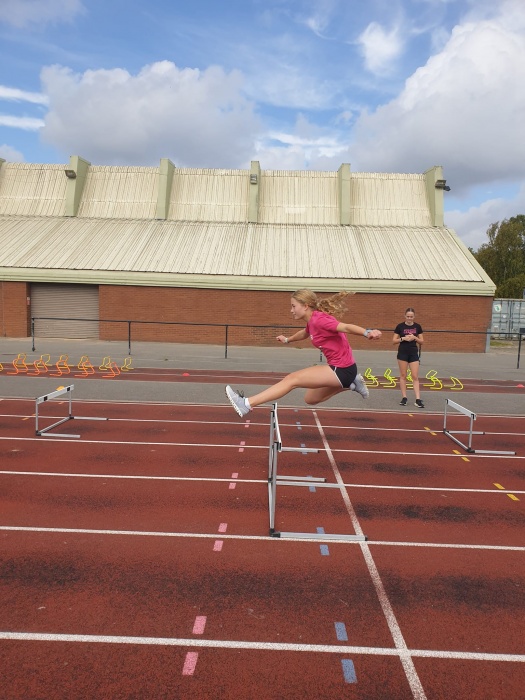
{"x": 512, "y": 289}
{"x": 503, "y": 257}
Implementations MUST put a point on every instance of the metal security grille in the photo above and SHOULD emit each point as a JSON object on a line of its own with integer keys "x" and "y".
{"x": 50, "y": 303}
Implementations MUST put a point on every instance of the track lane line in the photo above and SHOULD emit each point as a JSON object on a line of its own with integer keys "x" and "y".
{"x": 262, "y": 646}
{"x": 256, "y": 538}
{"x": 404, "y": 453}
{"x": 251, "y": 481}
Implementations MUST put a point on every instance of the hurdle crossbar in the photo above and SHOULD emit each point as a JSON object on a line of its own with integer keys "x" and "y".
{"x": 470, "y": 432}
{"x": 44, "y": 432}
{"x": 275, "y": 480}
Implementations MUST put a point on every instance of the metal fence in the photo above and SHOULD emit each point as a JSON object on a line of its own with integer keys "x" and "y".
{"x": 226, "y": 327}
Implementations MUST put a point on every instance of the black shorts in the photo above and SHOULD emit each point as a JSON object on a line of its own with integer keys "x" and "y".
{"x": 346, "y": 375}
{"x": 408, "y": 354}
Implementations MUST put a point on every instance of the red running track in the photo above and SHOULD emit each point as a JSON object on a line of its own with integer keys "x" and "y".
{"x": 136, "y": 561}
{"x": 190, "y": 376}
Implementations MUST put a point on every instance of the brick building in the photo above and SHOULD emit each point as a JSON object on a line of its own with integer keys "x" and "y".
{"x": 183, "y": 246}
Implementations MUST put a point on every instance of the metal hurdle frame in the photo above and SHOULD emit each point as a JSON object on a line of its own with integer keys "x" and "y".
{"x": 275, "y": 480}
{"x": 470, "y": 432}
{"x": 54, "y": 394}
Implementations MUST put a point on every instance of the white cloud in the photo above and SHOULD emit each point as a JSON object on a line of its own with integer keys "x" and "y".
{"x": 10, "y": 154}
{"x": 16, "y": 95}
{"x": 472, "y": 225}
{"x": 196, "y": 118}
{"x": 26, "y": 123}
{"x": 21, "y": 13}
{"x": 380, "y": 47}
{"x": 463, "y": 110}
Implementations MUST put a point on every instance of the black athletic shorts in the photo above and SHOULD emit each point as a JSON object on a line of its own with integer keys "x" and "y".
{"x": 408, "y": 353}
{"x": 346, "y": 375}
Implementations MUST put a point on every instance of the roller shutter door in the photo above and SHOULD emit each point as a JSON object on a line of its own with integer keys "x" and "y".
{"x": 52, "y": 302}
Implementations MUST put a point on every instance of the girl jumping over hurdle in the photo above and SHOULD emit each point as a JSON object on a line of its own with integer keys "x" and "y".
{"x": 329, "y": 335}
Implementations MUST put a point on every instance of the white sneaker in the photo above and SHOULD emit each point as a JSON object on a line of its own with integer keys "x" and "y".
{"x": 238, "y": 402}
{"x": 359, "y": 385}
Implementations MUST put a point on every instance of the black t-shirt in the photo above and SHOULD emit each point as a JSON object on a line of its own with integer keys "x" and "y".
{"x": 408, "y": 351}
{"x": 403, "y": 329}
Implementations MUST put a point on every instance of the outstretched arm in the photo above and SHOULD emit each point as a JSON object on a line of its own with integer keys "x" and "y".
{"x": 295, "y": 338}
{"x": 371, "y": 334}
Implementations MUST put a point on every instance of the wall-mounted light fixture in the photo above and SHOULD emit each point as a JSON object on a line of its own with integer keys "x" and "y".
{"x": 71, "y": 174}
{"x": 253, "y": 179}
{"x": 442, "y": 185}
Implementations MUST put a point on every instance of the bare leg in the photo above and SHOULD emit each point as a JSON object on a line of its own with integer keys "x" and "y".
{"x": 320, "y": 377}
{"x": 315, "y": 396}
{"x": 414, "y": 369}
{"x": 403, "y": 376}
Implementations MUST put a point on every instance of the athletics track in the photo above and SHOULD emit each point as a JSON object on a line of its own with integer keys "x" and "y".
{"x": 136, "y": 561}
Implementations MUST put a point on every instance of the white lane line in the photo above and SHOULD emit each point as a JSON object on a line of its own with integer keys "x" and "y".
{"x": 257, "y": 538}
{"x": 250, "y": 481}
{"x": 282, "y": 409}
{"x": 48, "y": 438}
{"x": 414, "y": 681}
{"x": 283, "y": 425}
{"x": 430, "y": 488}
{"x": 262, "y": 646}
{"x": 150, "y": 478}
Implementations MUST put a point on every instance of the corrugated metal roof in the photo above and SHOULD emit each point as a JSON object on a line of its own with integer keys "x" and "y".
{"x": 298, "y": 197}
{"x": 118, "y": 192}
{"x": 32, "y": 190}
{"x": 203, "y": 194}
{"x": 385, "y": 199}
{"x": 240, "y": 252}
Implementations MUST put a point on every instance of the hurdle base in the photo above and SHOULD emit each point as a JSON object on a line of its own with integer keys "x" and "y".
{"x": 471, "y": 450}
{"x": 317, "y": 536}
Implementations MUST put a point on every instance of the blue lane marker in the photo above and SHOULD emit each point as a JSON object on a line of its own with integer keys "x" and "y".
{"x": 324, "y": 550}
{"x": 349, "y": 671}
{"x": 340, "y": 631}
{"x": 320, "y": 531}
{"x": 298, "y": 424}
{"x": 303, "y": 445}
{"x": 311, "y": 488}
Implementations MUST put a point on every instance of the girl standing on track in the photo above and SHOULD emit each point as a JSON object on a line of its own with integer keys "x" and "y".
{"x": 327, "y": 334}
{"x": 408, "y": 336}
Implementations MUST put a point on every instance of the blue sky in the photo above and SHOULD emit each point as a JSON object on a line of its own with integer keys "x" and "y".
{"x": 385, "y": 85}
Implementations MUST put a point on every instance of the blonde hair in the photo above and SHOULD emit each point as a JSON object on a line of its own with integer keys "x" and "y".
{"x": 333, "y": 305}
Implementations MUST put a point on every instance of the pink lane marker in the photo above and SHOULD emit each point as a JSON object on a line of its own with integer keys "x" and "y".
{"x": 200, "y": 624}
{"x": 235, "y": 475}
{"x": 241, "y": 449}
{"x": 232, "y": 485}
{"x": 247, "y": 424}
{"x": 223, "y": 527}
{"x": 189, "y": 663}
{"x": 217, "y": 546}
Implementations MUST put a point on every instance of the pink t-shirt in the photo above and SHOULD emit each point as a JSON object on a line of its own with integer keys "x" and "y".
{"x": 334, "y": 345}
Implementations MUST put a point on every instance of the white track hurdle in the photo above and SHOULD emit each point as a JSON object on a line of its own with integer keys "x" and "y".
{"x": 470, "y": 432}
{"x": 275, "y": 480}
{"x": 67, "y": 390}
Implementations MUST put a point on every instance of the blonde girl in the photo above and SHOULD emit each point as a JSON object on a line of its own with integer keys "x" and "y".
{"x": 330, "y": 336}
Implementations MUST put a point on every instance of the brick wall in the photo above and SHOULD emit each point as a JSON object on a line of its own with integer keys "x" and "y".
{"x": 15, "y": 314}
{"x": 265, "y": 308}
